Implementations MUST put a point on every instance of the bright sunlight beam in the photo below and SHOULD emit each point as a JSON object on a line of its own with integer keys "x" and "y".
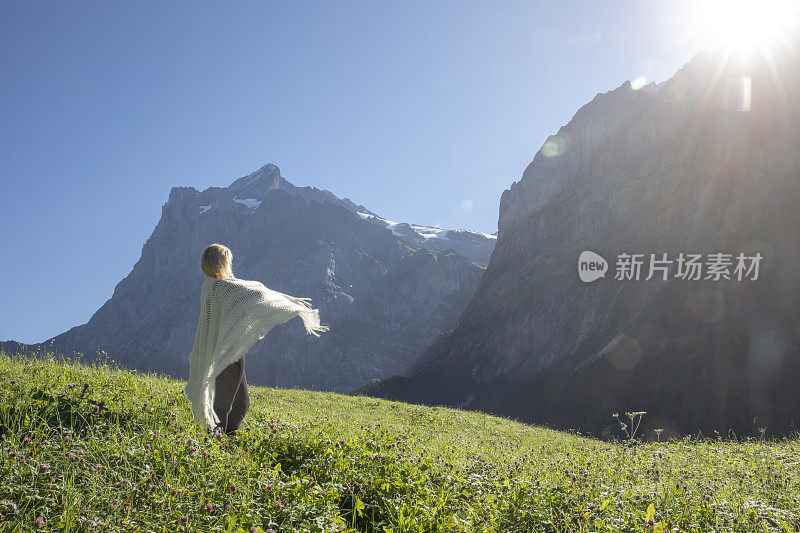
{"x": 744, "y": 24}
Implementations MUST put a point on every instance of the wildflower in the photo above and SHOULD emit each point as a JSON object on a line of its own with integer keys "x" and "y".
{"x": 39, "y": 522}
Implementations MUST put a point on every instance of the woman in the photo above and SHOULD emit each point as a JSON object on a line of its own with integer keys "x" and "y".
{"x": 234, "y": 314}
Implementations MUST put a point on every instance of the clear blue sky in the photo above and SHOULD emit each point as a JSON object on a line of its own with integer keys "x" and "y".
{"x": 409, "y": 108}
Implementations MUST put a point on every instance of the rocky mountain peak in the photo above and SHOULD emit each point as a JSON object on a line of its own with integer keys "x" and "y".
{"x": 259, "y": 183}
{"x": 247, "y": 193}
{"x": 383, "y": 298}
{"x": 704, "y": 163}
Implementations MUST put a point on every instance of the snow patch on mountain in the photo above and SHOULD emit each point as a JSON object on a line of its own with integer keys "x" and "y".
{"x": 250, "y": 203}
{"x": 425, "y": 232}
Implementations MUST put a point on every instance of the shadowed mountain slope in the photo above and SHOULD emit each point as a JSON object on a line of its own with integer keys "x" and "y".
{"x": 706, "y": 162}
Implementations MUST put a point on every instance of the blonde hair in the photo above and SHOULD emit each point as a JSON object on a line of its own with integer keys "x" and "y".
{"x": 217, "y": 261}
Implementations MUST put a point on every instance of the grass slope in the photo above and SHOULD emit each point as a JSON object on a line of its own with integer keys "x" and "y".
{"x": 101, "y": 449}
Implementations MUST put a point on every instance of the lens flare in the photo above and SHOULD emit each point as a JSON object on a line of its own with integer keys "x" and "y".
{"x": 556, "y": 145}
{"x": 625, "y": 354}
{"x": 638, "y": 83}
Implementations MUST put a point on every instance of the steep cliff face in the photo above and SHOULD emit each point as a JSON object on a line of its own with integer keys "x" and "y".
{"x": 705, "y": 162}
{"x": 384, "y": 299}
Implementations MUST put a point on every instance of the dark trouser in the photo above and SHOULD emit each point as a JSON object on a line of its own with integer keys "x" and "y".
{"x": 231, "y": 398}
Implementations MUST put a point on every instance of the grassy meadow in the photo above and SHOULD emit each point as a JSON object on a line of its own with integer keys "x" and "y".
{"x": 97, "y": 448}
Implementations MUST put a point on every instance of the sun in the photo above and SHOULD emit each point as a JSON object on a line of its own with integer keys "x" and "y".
{"x": 745, "y": 24}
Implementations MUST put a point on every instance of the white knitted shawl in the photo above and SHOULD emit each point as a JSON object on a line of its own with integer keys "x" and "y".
{"x": 234, "y": 314}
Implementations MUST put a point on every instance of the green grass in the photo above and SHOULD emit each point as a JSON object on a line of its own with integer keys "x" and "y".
{"x": 314, "y": 461}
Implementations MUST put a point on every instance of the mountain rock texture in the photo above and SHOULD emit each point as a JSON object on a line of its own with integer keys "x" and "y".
{"x": 384, "y": 299}
{"x": 705, "y": 162}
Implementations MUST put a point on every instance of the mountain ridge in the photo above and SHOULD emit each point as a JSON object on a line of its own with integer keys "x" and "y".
{"x": 686, "y": 165}
{"x": 383, "y": 297}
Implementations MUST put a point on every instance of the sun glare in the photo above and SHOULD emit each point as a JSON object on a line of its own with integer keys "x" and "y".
{"x": 743, "y": 24}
